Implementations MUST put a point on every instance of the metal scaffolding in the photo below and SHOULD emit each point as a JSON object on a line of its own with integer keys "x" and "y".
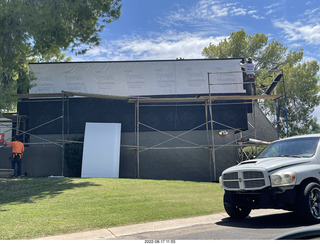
{"x": 207, "y": 101}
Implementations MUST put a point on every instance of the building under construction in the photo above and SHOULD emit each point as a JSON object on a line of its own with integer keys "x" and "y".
{"x": 180, "y": 119}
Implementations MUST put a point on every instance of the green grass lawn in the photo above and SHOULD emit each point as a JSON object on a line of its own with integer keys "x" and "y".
{"x": 35, "y": 207}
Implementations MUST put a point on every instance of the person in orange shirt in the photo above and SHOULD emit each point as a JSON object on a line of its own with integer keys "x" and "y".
{"x": 17, "y": 153}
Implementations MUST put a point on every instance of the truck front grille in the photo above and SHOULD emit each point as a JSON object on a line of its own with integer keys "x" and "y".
{"x": 244, "y": 180}
{"x": 254, "y": 183}
{"x": 252, "y": 174}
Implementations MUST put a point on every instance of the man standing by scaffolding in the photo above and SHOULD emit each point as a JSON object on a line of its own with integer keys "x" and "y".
{"x": 17, "y": 153}
{"x": 249, "y": 76}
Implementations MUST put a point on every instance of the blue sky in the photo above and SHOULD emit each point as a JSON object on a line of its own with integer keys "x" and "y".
{"x": 170, "y": 29}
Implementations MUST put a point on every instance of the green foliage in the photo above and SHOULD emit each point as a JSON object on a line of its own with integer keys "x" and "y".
{"x": 33, "y": 30}
{"x": 65, "y": 24}
{"x": 37, "y": 207}
{"x": 250, "y": 152}
{"x": 302, "y": 91}
{"x": 237, "y": 45}
{"x": 300, "y": 78}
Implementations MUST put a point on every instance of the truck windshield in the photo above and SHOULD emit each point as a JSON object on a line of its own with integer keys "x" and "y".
{"x": 299, "y": 147}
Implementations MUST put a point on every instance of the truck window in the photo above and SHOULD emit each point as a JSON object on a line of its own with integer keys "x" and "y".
{"x": 300, "y": 147}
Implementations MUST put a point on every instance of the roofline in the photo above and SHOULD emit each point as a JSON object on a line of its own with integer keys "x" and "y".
{"x": 138, "y": 61}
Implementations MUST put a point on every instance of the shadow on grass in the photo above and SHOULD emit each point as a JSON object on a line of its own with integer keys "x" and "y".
{"x": 26, "y": 190}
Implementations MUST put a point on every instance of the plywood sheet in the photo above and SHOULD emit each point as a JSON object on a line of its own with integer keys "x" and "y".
{"x": 101, "y": 150}
{"x": 140, "y": 78}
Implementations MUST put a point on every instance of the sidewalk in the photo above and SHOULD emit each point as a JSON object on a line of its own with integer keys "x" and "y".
{"x": 115, "y": 232}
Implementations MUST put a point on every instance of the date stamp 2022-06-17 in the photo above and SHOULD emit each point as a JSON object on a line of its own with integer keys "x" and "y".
{"x": 160, "y": 241}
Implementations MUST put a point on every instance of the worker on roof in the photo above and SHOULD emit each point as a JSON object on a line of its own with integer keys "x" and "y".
{"x": 248, "y": 67}
{"x": 17, "y": 153}
{"x": 249, "y": 76}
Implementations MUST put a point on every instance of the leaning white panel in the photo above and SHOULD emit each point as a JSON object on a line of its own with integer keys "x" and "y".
{"x": 101, "y": 150}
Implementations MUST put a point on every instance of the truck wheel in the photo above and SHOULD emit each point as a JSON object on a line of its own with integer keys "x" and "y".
{"x": 234, "y": 210}
{"x": 309, "y": 204}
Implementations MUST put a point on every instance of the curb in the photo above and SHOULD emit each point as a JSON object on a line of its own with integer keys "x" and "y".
{"x": 113, "y": 233}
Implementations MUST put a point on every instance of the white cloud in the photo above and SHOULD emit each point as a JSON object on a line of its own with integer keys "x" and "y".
{"x": 297, "y": 31}
{"x": 257, "y": 16}
{"x": 167, "y": 46}
{"x": 272, "y": 8}
{"x": 312, "y": 15}
{"x": 206, "y": 12}
{"x": 306, "y": 28}
{"x": 238, "y": 11}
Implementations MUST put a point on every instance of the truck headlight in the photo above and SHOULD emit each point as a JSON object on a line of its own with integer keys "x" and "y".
{"x": 283, "y": 178}
{"x": 220, "y": 182}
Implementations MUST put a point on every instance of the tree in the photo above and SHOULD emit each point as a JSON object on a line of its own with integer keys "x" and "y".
{"x": 300, "y": 78}
{"x": 43, "y": 29}
{"x": 302, "y": 97}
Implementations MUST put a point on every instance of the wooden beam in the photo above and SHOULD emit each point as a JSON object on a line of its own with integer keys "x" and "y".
{"x": 204, "y": 98}
{"x": 153, "y": 100}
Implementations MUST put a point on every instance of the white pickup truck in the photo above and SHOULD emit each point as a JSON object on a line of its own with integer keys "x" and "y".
{"x": 285, "y": 175}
